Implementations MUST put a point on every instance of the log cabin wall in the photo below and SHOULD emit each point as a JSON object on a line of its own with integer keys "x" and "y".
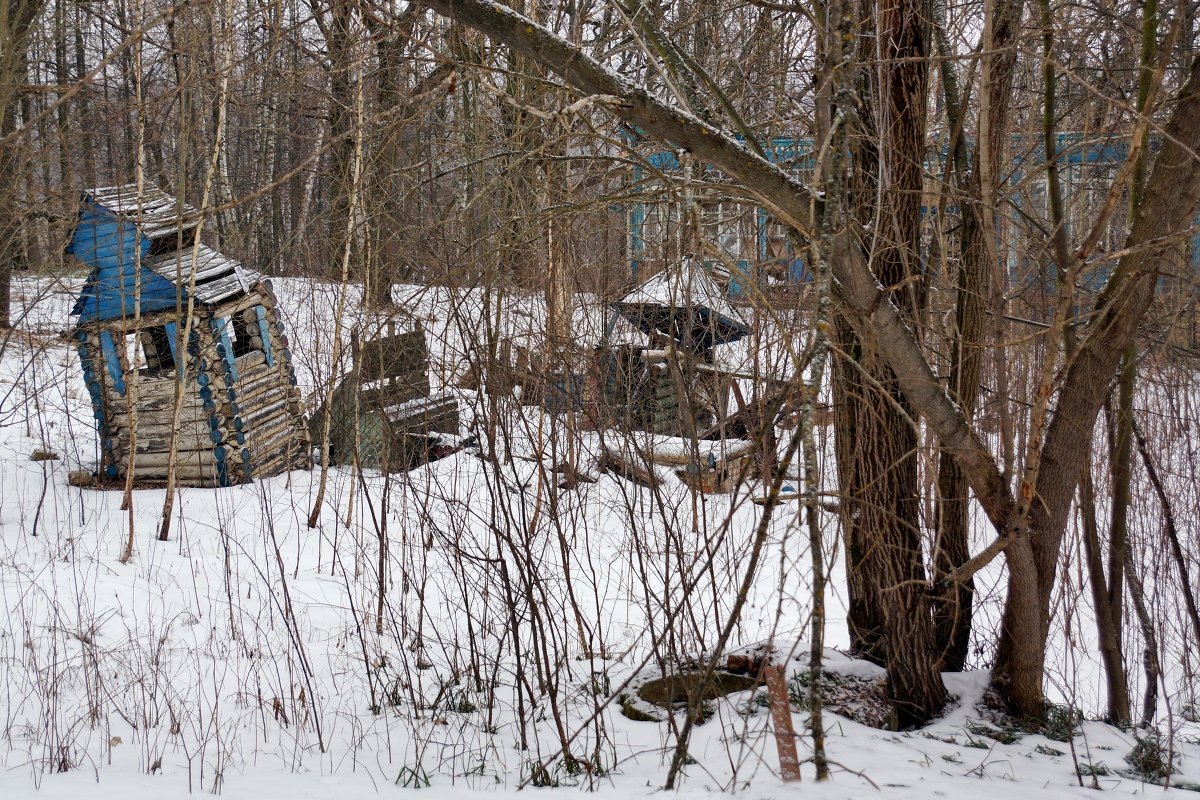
{"x": 135, "y": 405}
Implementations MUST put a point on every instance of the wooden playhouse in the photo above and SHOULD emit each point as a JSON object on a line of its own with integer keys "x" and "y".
{"x": 671, "y": 385}
{"x": 240, "y": 414}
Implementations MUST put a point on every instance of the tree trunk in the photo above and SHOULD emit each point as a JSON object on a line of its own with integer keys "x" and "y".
{"x": 976, "y": 298}
{"x": 15, "y": 27}
{"x": 1168, "y": 207}
{"x": 890, "y": 616}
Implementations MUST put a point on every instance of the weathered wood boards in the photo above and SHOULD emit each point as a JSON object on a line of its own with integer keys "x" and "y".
{"x": 707, "y": 466}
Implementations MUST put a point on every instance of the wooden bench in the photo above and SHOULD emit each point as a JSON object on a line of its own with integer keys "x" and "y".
{"x": 384, "y": 410}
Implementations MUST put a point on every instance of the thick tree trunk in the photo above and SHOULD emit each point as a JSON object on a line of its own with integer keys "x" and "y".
{"x": 975, "y": 303}
{"x": 1166, "y": 212}
{"x": 890, "y": 616}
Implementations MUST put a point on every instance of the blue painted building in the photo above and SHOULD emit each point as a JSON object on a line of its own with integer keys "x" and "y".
{"x": 166, "y": 323}
{"x": 752, "y": 248}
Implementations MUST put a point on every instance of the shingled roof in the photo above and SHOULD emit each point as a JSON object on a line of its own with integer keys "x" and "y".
{"x": 131, "y": 240}
{"x": 684, "y": 302}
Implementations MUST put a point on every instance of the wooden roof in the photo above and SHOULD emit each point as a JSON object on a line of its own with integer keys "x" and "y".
{"x": 114, "y": 234}
{"x": 684, "y": 303}
{"x": 154, "y": 211}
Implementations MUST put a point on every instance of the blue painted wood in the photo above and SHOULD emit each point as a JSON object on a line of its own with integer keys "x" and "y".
{"x": 220, "y": 327}
{"x": 172, "y": 332}
{"x": 264, "y": 332}
{"x": 88, "y": 364}
{"x": 222, "y": 469}
{"x": 109, "y": 349}
{"x": 111, "y": 247}
{"x": 761, "y": 219}
{"x": 100, "y": 235}
{"x": 89, "y": 379}
{"x": 115, "y": 293}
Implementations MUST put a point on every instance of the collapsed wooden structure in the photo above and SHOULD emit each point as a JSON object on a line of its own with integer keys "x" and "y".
{"x": 672, "y": 389}
{"x": 384, "y": 415}
{"x": 182, "y": 348}
{"x": 672, "y": 385}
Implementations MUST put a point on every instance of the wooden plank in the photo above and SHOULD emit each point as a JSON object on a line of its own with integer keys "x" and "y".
{"x": 267, "y": 389}
{"x": 284, "y": 459}
{"x": 267, "y": 427}
{"x": 394, "y": 355}
{"x": 628, "y": 469}
{"x": 193, "y": 406}
{"x": 269, "y": 439}
{"x": 187, "y": 475}
{"x": 160, "y": 444}
{"x": 254, "y": 299}
{"x": 255, "y": 377}
{"x": 439, "y": 414}
{"x": 278, "y": 452}
{"x": 158, "y": 388}
{"x": 407, "y": 387}
{"x": 220, "y": 289}
{"x": 113, "y": 362}
{"x": 193, "y": 428}
{"x": 680, "y": 452}
{"x": 288, "y": 394}
{"x": 269, "y": 430}
{"x": 781, "y": 720}
{"x": 260, "y": 317}
{"x": 268, "y": 408}
{"x": 184, "y": 459}
{"x": 179, "y": 263}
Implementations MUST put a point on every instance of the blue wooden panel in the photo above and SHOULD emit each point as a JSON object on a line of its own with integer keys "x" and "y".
{"x": 222, "y": 468}
{"x": 109, "y": 349}
{"x": 263, "y": 328}
{"x": 110, "y": 294}
{"x": 173, "y": 331}
{"x": 103, "y": 237}
{"x": 225, "y": 348}
{"x": 89, "y": 380}
{"x": 741, "y": 279}
{"x": 761, "y": 221}
{"x": 113, "y": 248}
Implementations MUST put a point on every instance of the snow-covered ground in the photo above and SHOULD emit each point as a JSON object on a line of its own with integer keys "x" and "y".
{"x": 250, "y": 655}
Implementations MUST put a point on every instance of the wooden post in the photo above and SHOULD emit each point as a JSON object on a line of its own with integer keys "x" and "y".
{"x": 781, "y": 718}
